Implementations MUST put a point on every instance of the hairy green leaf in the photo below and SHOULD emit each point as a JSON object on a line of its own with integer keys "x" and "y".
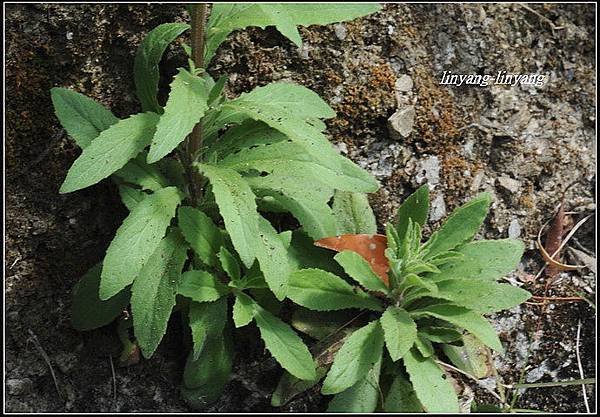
{"x": 292, "y": 100}
{"x": 227, "y": 17}
{"x": 88, "y": 310}
{"x": 415, "y": 207}
{"x": 205, "y": 377}
{"x": 400, "y": 331}
{"x": 473, "y": 357}
{"x": 282, "y": 113}
{"x": 440, "y": 334}
{"x": 358, "y": 268}
{"x": 319, "y": 324}
{"x": 138, "y": 172}
{"x": 482, "y": 260}
{"x": 415, "y": 281}
{"x": 248, "y": 134}
{"x": 466, "y": 319}
{"x": 401, "y": 397}
{"x": 82, "y": 117}
{"x": 433, "y": 389}
{"x": 131, "y": 196}
{"x": 460, "y": 227}
{"x": 297, "y": 99}
{"x": 185, "y": 107}
{"x": 206, "y": 320}
{"x": 482, "y": 296}
{"x": 243, "y": 309}
{"x": 325, "y": 13}
{"x": 201, "y": 233}
{"x": 272, "y": 257}
{"x": 320, "y": 290}
{"x": 308, "y": 204}
{"x": 362, "y": 397}
{"x": 153, "y": 292}
{"x": 217, "y": 89}
{"x": 285, "y": 345}
{"x": 424, "y": 346}
{"x": 353, "y": 214}
{"x": 289, "y": 386}
{"x": 136, "y": 239}
{"x": 253, "y": 278}
{"x": 110, "y": 151}
{"x": 229, "y": 263}
{"x": 361, "y": 350}
{"x": 201, "y": 286}
{"x": 293, "y": 158}
{"x": 356, "y": 176}
{"x": 238, "y": 208}
{"x": 147, "y": 58}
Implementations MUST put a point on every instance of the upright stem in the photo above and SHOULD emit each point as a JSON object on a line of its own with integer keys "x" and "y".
{"x": 198, "y": 21}
{"x": 194, "y": 140}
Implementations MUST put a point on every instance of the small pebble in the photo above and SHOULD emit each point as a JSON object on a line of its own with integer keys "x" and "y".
{"x": 510, "y": 185}
{"x": 19, "y": 386}
{"x": 438, "y": 209}
{"x": 514, "y": 229}
{"x": 404, "y": 83}
{"x": 400, "y": 124}
{"x": 429, "y": 169}
{"x": 340, "y": 31}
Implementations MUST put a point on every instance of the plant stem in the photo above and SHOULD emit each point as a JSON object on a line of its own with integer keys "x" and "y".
{"x": 583, "y": 381}
{"x": 194, "y": 140}
{"x": 198, "y": 20}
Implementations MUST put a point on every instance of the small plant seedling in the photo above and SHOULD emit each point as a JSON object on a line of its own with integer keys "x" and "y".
{"x": 200, "y": 175}
{"x": 433, "y": 300}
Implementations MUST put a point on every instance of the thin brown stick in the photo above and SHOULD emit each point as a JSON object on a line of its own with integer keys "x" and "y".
{"x": 46, "y": 358}
{"x": 538, "y": 298}
{"x": 114, "y": 378}
{"x": 542, "y": 17}
{"x": 468, "y": 375}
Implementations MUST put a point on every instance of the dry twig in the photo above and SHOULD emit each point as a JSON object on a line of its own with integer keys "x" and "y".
{"x": 468, "y": 375}
{"x": 46, "y": 358}
{"x": 114, "y": 378}
{"x": 542, "y": 17}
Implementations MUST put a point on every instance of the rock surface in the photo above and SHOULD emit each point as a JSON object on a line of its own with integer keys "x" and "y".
{"x": 540, "y": 137}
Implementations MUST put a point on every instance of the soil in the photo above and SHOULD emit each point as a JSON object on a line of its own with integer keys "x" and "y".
{"x": 528, "y": 146}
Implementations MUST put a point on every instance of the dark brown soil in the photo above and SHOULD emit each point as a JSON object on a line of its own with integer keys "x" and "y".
{"x": 525, "y": 146}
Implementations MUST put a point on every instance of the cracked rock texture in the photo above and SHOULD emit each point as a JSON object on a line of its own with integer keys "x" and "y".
{"x": 528, "y": 146}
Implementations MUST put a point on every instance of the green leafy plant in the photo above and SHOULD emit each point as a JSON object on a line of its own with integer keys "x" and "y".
{"x": 204, "y": 178}
{"x": 437, "y": 295}
{"x": 200, "y": 175}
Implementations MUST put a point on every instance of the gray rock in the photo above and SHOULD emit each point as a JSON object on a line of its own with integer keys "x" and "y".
{"x": 438, "y": 209}
{"x": 508, "y": 184}
{"x": 404, "y": 84}
{"x": 342, "y": 147}
{"x": 428, "y": 169}
{"x": 400, "y": 124}
{"x": 19, "y": 386}
{"x": 340, "y": 31}
{"x": 514, "y": 229}
{"x": 477, "y": 180}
